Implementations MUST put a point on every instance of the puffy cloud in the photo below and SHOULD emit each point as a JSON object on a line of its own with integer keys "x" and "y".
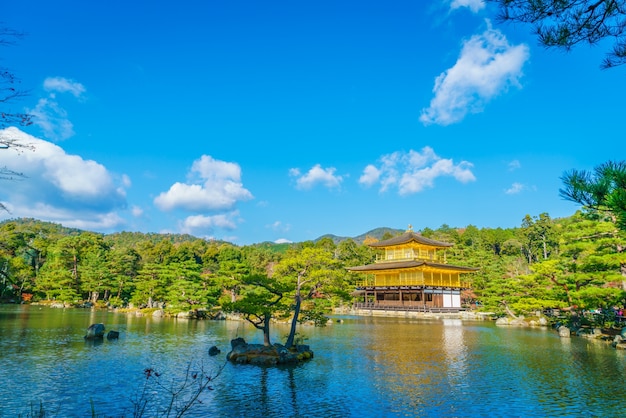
{"x": 49, "y": 115}
{"x": 204, "y": 225}
{"x": 63, "y": 85}
{"x": 474, "y": 5}
{"x": 370, "y": 175}
{"x": 214, "y": 185}
{"x": 282, "y": 241}
{"x": 515, "y": 188}
{"x": 52, "y": 119}
{"x": 317, "y": 175}
{"x": 487, "y": 66}
{"x": 61, "y": 187}
{"x": 414, "y": 171}
{"x": 136, "y": 211}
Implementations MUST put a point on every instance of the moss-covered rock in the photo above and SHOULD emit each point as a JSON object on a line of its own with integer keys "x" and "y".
{"x": 259, "y": 354}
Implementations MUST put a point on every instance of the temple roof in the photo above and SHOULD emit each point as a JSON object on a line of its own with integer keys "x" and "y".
{"x": 402, "y": 265}
{"x": 410, "y": 236}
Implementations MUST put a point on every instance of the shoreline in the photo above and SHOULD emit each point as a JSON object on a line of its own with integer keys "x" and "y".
{"x": 613, "y": 337}
{"x": 467, "y": 315}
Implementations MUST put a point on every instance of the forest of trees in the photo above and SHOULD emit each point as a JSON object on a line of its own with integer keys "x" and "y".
{"x": 544, "y": 263}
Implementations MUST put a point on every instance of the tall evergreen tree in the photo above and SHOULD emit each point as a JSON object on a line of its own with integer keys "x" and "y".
{"x": 602, "y": 193}
{"x": 565, "y": 24}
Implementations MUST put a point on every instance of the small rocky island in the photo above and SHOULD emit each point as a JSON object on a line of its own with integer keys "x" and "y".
{"x": 244, "y": 353}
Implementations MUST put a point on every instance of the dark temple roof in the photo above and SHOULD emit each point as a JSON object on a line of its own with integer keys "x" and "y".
{"x": 396, "y": 265}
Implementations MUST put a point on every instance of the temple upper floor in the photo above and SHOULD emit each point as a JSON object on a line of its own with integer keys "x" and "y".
{"x": 411, "y": 246}
{"x": 412, "y": 253}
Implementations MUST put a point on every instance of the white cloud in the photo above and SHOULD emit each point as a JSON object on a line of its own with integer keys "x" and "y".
{"x": 317, "y": 175}
{"x": 370, "y": 175}
{"x": 279, "y": 226}
{"x": 202, "y": 224}
{"x": 136, "y": 211}
{"x": 415, "y": 171}
{"x": 388, "y": 173}
{"x": 210, "y": 169}
{"x": 282, "y": 241}
{"x": 514, "y": 165}
{"x": 215, "y": 185}
{"x": 60, "y": 187}
{"x": 63, "y": 85}
{"x": 487, "y": 66}
{"x": 49, "y": 115}
{"x": 474, "y": 5}
{"x": 515, "y": 188}
{"x": 52, "y": 119}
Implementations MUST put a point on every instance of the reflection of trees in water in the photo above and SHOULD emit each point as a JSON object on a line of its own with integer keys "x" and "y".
{"x": 293, "y": 392}
{"x": 585, "y": 357}
{"x": 266, "y": 400}
{"x": 255, "y": 391}
{"x": 298, "y": 391}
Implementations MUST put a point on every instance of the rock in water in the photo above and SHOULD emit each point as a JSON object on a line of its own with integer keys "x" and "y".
{"x": 237, "y": 342}
{"x": 113, "y": 335}
{"x": 214, "y": 351}
{"x": 95, "y": 331}
{"x": 259, "y": 354}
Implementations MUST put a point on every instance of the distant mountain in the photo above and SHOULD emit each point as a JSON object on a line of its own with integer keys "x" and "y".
{"x": 377, "y": 233}
{"x": 36, "y": 224}
{"x": 124, "y": 237}
{"x": 131, "y": 238}
{"x": 280, "y": 248}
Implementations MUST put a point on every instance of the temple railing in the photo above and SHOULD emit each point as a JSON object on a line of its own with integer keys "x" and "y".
{"x": 416, "y": 307}
{"x": 388, "y": 258}
{"x": 417, "y": 282}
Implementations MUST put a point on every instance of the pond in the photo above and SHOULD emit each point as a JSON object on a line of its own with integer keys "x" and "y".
{"x": 363, "y": 366}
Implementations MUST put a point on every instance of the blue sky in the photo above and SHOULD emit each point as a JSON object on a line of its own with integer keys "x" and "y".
{"x": 286, "y": 120}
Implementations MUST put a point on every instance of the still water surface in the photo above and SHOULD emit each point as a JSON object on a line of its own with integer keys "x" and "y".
{"x": 378, "y": 367}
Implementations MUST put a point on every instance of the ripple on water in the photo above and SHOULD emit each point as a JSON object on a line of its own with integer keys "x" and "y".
{"x": 362, "y": 367}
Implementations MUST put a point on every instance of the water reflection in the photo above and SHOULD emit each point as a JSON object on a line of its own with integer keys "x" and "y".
{"x": 362, "y": 367}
